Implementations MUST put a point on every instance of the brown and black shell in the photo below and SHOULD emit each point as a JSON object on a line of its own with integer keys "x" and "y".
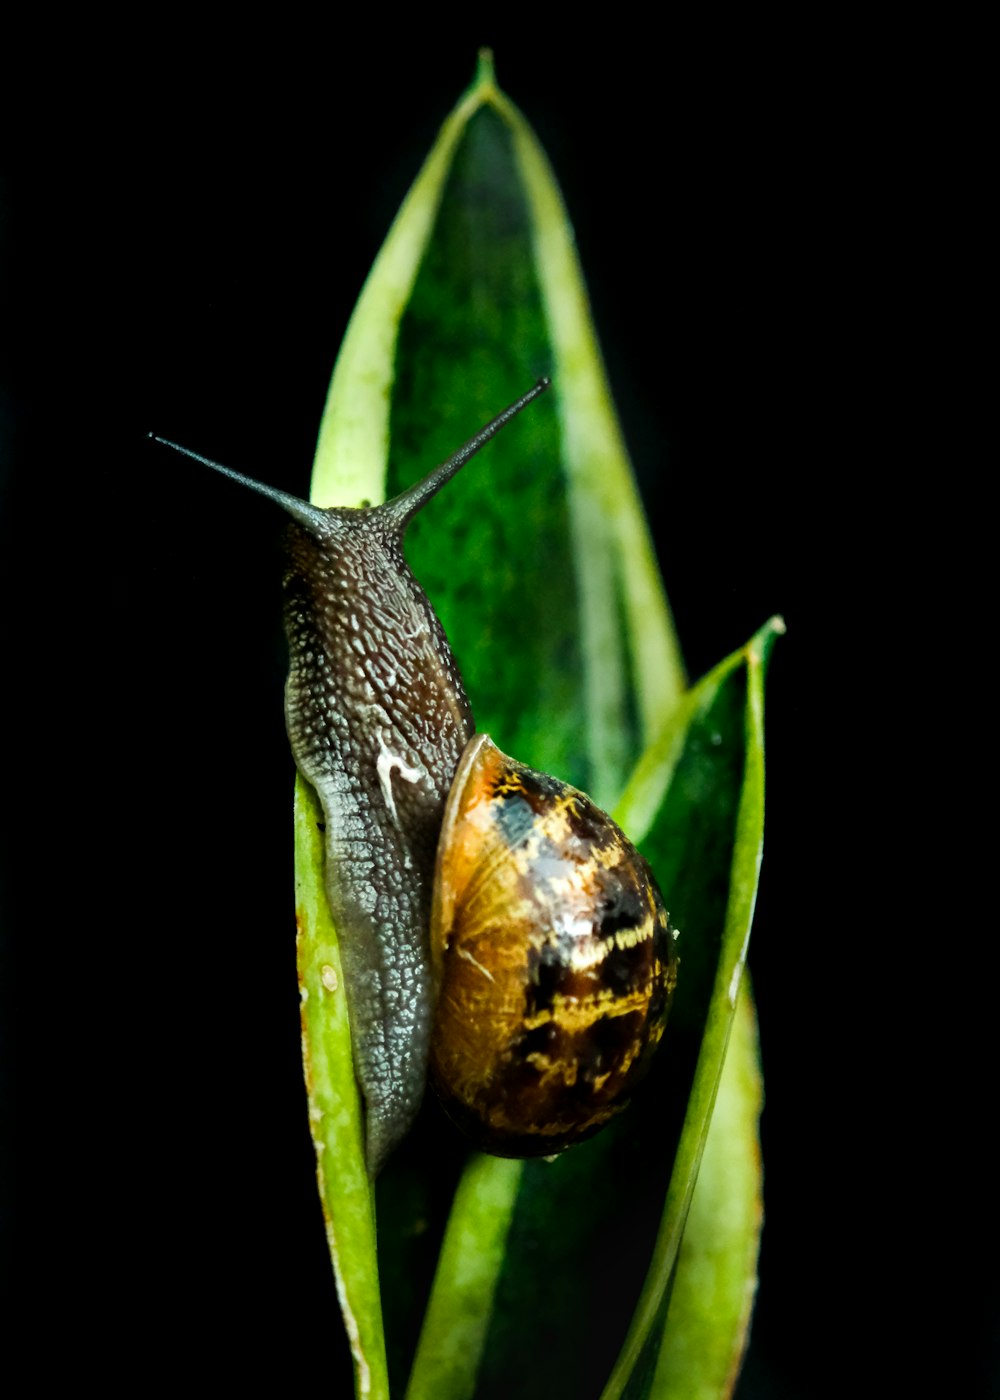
{"x": 553, "y": 959}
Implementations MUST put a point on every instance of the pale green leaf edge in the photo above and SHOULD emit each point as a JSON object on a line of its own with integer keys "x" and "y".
{"x": 745, "y": 871}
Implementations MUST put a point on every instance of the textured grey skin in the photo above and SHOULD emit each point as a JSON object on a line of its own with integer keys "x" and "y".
{"x": 377, "y": 719}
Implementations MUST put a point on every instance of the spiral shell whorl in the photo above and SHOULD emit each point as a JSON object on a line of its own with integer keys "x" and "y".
{"x": 553, "y": 956}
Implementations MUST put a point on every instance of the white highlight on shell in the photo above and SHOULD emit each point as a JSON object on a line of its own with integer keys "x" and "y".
{"x": 464, "y": 953}
{"x": 388, "y": 763}
{"x": 328, "y": 976}
{"x": 579, "y": 927}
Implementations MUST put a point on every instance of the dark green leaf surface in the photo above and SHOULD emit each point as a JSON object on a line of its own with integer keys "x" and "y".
{"x": 537, "y": 561}
{"x": 474, "y": 337}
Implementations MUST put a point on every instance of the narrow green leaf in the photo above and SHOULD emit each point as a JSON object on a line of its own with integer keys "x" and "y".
{"x": 335, "y": 1113}
{"x": 632, "y": 1375}
{"x": 714, "y": 1286}
{"x": 457, "y": 1318}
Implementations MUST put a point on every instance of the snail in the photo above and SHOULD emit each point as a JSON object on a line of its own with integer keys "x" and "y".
{"x": 498, "y": 932}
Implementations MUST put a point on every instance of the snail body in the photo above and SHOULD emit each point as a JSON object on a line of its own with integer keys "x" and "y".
{"x": 493, "y": 923}
{"x": 377, "y": 720}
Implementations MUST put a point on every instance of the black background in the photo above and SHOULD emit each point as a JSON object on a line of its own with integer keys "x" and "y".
{"x": 189, "y": 219}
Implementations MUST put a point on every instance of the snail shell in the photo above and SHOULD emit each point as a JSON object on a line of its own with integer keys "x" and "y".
{"x": 553, "y": 959}
{"x": 550, "y": 966}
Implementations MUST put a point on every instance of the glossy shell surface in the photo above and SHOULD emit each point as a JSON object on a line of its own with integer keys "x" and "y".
{"x": 553, "y": 959}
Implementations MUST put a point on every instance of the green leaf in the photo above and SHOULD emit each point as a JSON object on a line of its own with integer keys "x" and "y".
{"x": 547, "y": 1277}
{"x": 657, "y": 1325}
{"x": 713, "y": 1291}
{"x": 335, "y": 1113}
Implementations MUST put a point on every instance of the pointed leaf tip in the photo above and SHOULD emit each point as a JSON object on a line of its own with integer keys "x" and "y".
{"x": 485, "y": 73}
{"x": 758, "y": 648}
